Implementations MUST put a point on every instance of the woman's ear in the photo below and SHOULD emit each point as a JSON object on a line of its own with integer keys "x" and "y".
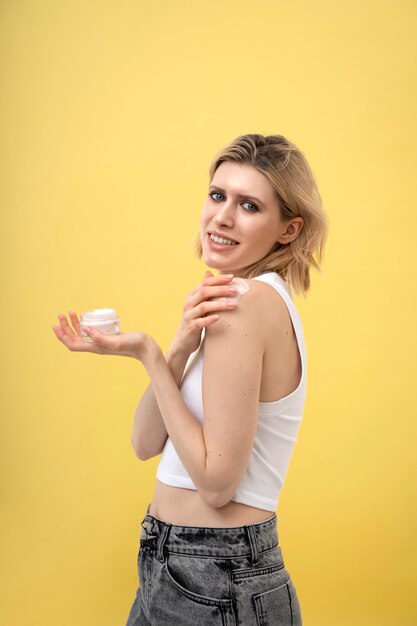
{"x": 292, "y": 230}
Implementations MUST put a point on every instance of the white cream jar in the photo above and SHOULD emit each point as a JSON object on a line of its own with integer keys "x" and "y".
{"x": 104, "y": 320}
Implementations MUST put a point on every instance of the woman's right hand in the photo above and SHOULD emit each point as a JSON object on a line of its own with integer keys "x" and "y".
{"x": 199, "y": 311}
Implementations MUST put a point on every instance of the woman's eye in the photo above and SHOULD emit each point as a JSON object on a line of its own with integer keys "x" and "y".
{"x": 254, "y": 207}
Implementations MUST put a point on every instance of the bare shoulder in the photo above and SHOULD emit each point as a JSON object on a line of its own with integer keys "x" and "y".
{"x": 265, "y": 294}
{"x": 267, "y": 306}
{"x": 254, "y": 302}
{"x": 260, "y": 296}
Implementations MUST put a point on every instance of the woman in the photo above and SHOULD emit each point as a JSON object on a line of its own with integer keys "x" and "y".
{"x": 225, "y": 404}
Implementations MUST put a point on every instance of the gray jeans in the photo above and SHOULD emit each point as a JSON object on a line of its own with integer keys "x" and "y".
{"x": 191, "y": 576}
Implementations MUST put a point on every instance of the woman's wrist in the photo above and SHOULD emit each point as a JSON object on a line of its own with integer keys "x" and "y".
{"x": 177, "y": 351}
{"x": 150, "y": 351}
{"x": 177, "y": 360}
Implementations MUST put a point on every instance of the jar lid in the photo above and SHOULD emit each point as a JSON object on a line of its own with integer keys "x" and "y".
{"x": 102, "y": 315}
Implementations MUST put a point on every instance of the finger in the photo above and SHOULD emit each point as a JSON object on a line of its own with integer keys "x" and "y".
{"x": 65, "y": 326}
{"x": 208, "y": 308}
{"x": 64, "y": 338}
{"x": 211, "y": 319}
{"x": 218, "y": 279}
{"x": 209, "y": 292}
{"x": 63, "y": 330}
{"x": 73, "y": 342}
{"x": 214, "y": 286}
{"x": 198, "y": 315}
{"x": 205, "y": 295}
{"x": 75, "y": 321}
{"x": 210, "y": 279}
{"x": 203, "y": 322}
{"x": 103, "y": 341}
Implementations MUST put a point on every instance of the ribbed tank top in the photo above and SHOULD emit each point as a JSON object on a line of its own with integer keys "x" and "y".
{"x": 277, "y": 429}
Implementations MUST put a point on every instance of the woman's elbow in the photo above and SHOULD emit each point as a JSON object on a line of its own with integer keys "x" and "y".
{"x": 143, "y": 454}
{"x": 139, "y": 453}
{"x": 217, "y": 499}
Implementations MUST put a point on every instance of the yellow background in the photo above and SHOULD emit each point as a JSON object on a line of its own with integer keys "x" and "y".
{"x": 110, "y": 115}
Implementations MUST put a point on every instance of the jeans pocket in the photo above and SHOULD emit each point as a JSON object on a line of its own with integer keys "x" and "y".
{"x": 194, "y": 591}
{"x": 278, "y": 606}
{"x": 265, "y": 596}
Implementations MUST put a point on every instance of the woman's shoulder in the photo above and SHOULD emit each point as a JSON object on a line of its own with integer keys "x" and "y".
{"x": 271, "y": 301}
{"x": 275, "y": 280}
{"x": 265, "y": 287}
{"x": 241, "y": 327}
{"x": 250, "y": 293}
{"x": 260, "y": 313}
{"x": 257, "y": 302}
{"x": 254, "y": 294}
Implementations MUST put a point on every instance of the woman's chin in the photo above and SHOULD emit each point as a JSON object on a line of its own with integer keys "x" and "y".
{"x": 208, "y": 260}
{"x": 220, "y": 267}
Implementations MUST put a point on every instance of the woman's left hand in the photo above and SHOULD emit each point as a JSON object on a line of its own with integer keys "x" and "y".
{"x": 136, "y": 345}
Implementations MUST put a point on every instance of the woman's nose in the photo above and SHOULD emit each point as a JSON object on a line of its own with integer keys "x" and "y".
{"x": 224, "y": 213}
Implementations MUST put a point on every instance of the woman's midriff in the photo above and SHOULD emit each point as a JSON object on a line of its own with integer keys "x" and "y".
{"x": 186, "y": 507}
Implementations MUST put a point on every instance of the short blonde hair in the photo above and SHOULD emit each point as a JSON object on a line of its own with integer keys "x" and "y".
{"x": 296, "y": 190}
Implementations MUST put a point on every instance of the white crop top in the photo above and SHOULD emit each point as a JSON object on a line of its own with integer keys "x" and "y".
{"x": 276, "y": 433}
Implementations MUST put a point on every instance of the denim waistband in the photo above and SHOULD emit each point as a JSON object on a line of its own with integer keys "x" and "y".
{"x": 247, "y": 540}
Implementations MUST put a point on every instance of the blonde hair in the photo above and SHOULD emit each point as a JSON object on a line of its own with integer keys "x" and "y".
{"x": 296, "y": 190}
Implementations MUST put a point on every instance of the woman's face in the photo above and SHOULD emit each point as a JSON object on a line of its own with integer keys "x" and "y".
{"x": 241, "y": 206}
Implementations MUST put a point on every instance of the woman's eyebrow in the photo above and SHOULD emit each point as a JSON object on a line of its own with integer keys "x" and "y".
{"x": 240, "y": 195}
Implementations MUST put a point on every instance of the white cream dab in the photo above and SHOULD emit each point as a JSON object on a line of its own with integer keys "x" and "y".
{"x": 240, "y": 284}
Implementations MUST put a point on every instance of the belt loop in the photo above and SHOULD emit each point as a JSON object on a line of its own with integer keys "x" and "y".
{"x": 253, "y": 543}
{"x": 161, "y": 542}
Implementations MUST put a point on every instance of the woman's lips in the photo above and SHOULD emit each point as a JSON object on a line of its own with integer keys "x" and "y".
{"x": 220, "y": 246}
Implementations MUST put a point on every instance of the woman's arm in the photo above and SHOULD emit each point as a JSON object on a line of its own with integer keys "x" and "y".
{"x": 149, "y": 433}
{"x": 216, "y": 453}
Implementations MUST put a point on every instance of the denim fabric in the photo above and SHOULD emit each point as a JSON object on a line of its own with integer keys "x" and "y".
{"x": 191, "y": 576}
